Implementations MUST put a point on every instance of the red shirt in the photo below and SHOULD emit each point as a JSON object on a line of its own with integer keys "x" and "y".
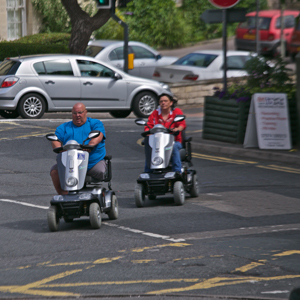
{"x": 156, "y": 118}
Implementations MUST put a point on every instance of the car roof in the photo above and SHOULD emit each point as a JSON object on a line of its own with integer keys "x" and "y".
{"x": 272, "y": 12}
{"x": 219, "y": 52}
{"x": 43, "y": 56}
{"x": 105, "y": 43}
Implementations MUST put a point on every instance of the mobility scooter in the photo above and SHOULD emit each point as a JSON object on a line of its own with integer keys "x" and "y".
{"x": 86, "y": 196}
{"x": 161, "y": 180}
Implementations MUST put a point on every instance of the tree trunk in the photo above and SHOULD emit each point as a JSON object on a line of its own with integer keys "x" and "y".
{"x": 83, "y": 25}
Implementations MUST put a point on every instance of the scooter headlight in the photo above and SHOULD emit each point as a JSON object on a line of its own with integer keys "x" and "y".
{"x": 85, "y": 196}
{"x": 170, "y": 175}
{"x": 157, "y": 160}
{"x": 145, "y": 176}
{"x": 71, "y": 181}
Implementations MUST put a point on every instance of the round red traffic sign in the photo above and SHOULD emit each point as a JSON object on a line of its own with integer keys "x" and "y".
{"x": 224, "y": 3}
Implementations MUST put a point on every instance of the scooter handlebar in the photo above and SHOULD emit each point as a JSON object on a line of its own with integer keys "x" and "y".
{"x": 58, "y": 149}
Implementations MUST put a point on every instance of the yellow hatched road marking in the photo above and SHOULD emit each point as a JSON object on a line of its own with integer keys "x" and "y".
{"x": 248, "y": 267}
{"x": 279, "y": 168}
{"x": 223, "y": 159}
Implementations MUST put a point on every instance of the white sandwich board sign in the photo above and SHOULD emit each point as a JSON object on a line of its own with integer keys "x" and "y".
{"x": 268, "y": 122}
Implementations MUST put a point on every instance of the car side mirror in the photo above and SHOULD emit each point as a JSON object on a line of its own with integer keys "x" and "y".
{"x": 117, "y": 76}
{"x": 158, "y": 56}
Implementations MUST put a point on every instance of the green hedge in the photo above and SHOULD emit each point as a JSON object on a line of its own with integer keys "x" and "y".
{"x": 19, "y": 49}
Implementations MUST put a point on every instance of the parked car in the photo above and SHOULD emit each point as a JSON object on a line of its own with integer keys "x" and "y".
{"x": 294, "y": 46}
{"x": 145, "y": 57}
{"x": 269, "y": 23}
{"x": 32, "y": 85}
{"x": 204, "y": 64}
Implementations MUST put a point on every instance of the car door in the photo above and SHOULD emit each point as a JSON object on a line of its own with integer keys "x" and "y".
{"x": 59, "y": 82}
{"x": 99, "y": 87}
{"x": 116, "y": 58}
{"x": 144, "y": 60}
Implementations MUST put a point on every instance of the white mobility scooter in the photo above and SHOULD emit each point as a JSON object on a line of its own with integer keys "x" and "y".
{"x": 86, "y": 196}
{"x": 161, "y": 180}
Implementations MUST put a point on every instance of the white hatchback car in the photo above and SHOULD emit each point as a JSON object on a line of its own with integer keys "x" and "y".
{"x": 204, "y": 64}
{"x": 146, "y": 59}
{"x": 32, "y": 85}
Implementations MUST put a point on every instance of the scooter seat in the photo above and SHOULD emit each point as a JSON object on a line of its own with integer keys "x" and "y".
{"x": 91, "y": 179}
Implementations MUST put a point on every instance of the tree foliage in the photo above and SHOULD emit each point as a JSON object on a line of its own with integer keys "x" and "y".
{"x": 157, "y": 23}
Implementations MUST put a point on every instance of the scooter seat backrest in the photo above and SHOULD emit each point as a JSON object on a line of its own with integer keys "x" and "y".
{"x": 182, "y": 153}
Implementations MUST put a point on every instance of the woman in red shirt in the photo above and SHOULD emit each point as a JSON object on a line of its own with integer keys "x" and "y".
{"x": 164, "y": 115}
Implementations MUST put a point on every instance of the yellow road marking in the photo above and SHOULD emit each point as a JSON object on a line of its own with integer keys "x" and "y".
{"x": 247, "y": 267}
{"x": 223, "y": 159}
{"x": 161, "y": 246}
{"x": 287, "y": 253}
{"x": 222, "y": 281}
{"x": 106, "y": 260}
{"x": 282, "y": 169}
{"x": 142, "y": 261}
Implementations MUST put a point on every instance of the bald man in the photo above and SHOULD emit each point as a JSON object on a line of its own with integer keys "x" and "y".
{"x": 78, "y": 129}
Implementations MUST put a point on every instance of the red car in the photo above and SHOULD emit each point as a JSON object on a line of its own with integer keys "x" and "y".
{"x": 269, "y": 23}
{"x": 294, "y": 46}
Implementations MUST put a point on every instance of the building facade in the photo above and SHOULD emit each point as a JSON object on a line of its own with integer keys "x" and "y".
{"x": 17, "y": 19}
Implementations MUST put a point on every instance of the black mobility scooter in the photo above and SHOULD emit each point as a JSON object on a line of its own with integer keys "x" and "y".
{"x": 161, "y": 180}
{"x": 86, "y": 196}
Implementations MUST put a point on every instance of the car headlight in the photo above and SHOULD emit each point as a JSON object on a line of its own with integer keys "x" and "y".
{"x": 165, "y": 86}
{"x": 145, "y": 176}
{"x": 170, "y": 175}
{"x": 71, "y": 181}
{"x": 85, "y": 196}
{"x": 157, "y": 160}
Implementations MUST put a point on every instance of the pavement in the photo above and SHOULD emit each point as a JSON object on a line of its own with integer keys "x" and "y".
{"x": 209, "y": 146}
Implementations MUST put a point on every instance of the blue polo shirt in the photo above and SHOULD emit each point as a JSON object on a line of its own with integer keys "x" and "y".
{"x": 69, "y": 131}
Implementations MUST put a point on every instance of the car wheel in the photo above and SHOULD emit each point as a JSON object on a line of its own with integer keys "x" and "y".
{"x": 9, "y": 114}
{"x": 31, "y": 106}
{"x": 120, "y": 113}
{"x": 144, "y": 104}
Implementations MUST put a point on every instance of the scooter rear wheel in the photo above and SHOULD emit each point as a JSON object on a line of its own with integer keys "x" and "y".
{"x": 95, "y": 215}
{"x": 194, "y": 191}
{"x": 178, "y": 191}
{"x": 113, "y": 214}
{"x": 53, "y": 220}
{"x": 139, "y": 195}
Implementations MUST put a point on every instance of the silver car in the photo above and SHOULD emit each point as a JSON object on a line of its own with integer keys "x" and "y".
{"x": 32, "y": 85}
{"x": 146, "y": 59}
{"x": 202, "y": 65}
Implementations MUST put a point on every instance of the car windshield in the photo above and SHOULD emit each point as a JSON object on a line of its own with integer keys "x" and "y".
{"x": 237, "y": 62}
{"x": 250, "y": 23}
{"x": 201, "y": 60}
{"x": 93, "y": 50}
{"x": 9, "y": 67}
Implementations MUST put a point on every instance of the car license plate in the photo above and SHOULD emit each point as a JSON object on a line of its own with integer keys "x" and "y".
{"x": 249, "y": 36}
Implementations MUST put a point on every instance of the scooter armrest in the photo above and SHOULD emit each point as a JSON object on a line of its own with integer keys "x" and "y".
{"x": 145, "y": 133}
{"x": 58, "y": 149}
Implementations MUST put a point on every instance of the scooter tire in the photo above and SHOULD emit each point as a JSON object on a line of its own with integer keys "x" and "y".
{"x": 139, "y": 195}
{"x": 53, "y": 220}
{"x": 194, "y": 191}
{"x": 113, "y": 214}
{"x": 179, "y": 194}
{"x": 95, "y": 215}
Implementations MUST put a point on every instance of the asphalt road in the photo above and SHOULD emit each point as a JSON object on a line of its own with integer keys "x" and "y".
{"x": 238, "y": 239}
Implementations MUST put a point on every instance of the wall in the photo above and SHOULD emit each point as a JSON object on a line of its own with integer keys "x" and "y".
{"x": 193, "y": 93}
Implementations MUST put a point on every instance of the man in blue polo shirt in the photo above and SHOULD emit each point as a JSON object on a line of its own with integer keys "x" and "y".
{"x": 78, "y": 130}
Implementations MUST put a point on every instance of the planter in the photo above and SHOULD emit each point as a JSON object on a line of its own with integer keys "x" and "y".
{"x": 225, "y": 120}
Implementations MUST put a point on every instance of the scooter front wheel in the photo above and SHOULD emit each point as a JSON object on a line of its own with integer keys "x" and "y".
{"x": 95, "y": 215}
{"x": 139, "y": 195}
{"x": 178, "y": 191}
{"x": 53, "y": 220}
